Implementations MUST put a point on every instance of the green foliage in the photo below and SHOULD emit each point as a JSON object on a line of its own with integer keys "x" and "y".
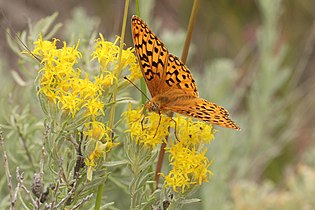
{"x": 297, "y": 192}
{"x": 252, "y": 168}
{"x": 268, "y": 125}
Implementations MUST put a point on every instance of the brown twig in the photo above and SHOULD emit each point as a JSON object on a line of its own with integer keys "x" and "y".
{"x": 23, "y": 139}
{"x": 7, "y": 170}
{"x": 54, "y": 197}
{"x": 80, "y": 160}
{"x": 308, "y": 51}
{"x": 21, "y": 185}
{"x": 159, "y": 164}
{"x": 191, "y": 24}
{"x": 19, "y": 177}
{"x": 70, "y": 193}
{"x": 192, "y": 20}
{"x": 85, "y": 199}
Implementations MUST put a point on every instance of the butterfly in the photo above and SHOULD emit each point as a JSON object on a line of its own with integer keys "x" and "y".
{"x": 170, "y": 83}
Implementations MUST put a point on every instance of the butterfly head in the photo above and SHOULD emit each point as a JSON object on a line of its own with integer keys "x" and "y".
{"x": 152, "y": 106}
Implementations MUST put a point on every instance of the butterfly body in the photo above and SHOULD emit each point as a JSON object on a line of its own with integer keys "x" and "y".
{"x": 170, "y": 82}
{"x": 165, "y": 101}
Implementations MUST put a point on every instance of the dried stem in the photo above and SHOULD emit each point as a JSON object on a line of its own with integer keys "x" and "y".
{"x": 70, "y": 193}
{"x": 52, "y": 205}
{"x": 7, "y": 171}
{"x": 21, "y": 185}
{"x": 22, "y": 137}
{"x": 305, "y": 58}
{"x": 85, "y": 199}
{"x": 159, "y": 164}
{"x": 80, "y": 160}
{"x": 191, "y": 24}
{"x": 184, "y": 58}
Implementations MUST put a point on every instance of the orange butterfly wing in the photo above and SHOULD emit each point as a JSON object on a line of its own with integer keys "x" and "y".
{"x": 161, "y": 70}
{"x": 170, "y": 82}
{"x": 204, "y": 110}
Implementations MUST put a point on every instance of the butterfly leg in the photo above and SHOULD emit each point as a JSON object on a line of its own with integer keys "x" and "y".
{"x": 142, "y": 121}
{"x": 175, "y": 129}
{"x": 157, "y": 126}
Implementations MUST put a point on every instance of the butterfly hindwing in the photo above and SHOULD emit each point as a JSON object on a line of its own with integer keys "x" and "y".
{"x": 207, "y": 111}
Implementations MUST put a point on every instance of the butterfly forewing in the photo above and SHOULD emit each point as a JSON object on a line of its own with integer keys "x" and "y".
{"x": 161, "y": 70}
{"x": 178, "y": 76}
{"x": 152, "y": 55}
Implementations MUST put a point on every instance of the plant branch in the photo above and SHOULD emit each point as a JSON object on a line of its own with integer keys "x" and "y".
{"x": 7, "y": 170}
{"x": 191, "y": 24}
{"x": 184, "y": 58}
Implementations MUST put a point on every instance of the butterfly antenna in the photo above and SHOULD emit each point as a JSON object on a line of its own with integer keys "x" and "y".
{"x": 137, "y": 88}
{"x": 16, "y": 37}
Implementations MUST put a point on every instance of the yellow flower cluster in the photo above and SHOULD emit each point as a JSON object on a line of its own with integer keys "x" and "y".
{"x": 73, "y": 91}
{"x": 149, "y": 130}
{"x": 189, "y": 164}
{"x": 189, "y": 167}
{"x": 106, "y": 54}
{"x": 187, "y": 154}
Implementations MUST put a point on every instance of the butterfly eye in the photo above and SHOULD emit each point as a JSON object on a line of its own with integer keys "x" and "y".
{"x": 152, "y": 106}
{"x": 149, "y": 106}
{"x": 155, "y": 107}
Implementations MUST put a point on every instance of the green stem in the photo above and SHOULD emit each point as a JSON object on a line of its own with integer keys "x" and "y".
{"x": 117, "y": 73}
{"x": 137, "y": 8}
{"x": 191, "y": 24}
{"x": 119, "y": 69}
{"x": 184, "y": 58}
{"x": 99, "y": 195}
{"x": 143, "y": 86}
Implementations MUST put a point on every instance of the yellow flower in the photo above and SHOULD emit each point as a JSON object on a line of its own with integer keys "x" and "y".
{"x": 45, "y": 49}
{"x": 69, "y": 55}
{"x": 192, "y": 132}
{"x": 97, "y": 130}
{"x": 189, "y": 164}
{"x": 129, "y": 59}
{"x": 63, "y": 84}
{"x": 107, "y": 53}
{"x": 72, "y": 91}
{"x": 149, "y": 130}
{"x": 69, "y": 102}
{"x": 101, "y": 136}
{"x": 58, "y": 79}
{"x": 106, "y": 79}
{"x": 100, "y": 150}
{"x": 94, "y": 108}
{"x": 189, "y": 167}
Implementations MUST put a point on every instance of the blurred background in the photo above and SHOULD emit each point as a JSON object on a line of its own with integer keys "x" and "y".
{"x": 255, "y": 58}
